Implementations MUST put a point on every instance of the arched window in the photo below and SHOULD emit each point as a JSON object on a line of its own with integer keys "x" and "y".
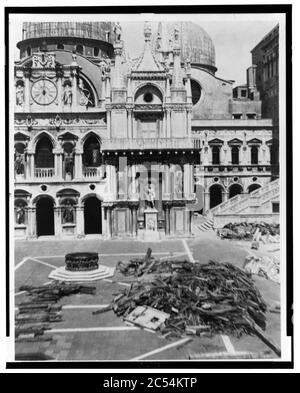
{"x": 91, "y": 152}
{"x": 196, "y": 91}
{"x": 44, "y": 158}
{"x": 28, "y": 51}
{"x": 60, "y": 46}
{"x": 79, "y": 49}
{"x": 96, "y": 51}
{"x": 253, "y": 187}
{"x": 254, "y": 155}
{"x": 234, "y": 190}
{"x": 235, "y": 155}
{"x": 216, "y": 155}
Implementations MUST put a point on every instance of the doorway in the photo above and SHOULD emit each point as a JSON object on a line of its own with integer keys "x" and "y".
{"x": 45, "y": 217}
{"x": 234, "y": 190}
{"x": 215, "y": 193}
{"x": 92, "y": 216}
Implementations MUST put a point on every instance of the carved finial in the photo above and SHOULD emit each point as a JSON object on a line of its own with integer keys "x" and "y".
{"x": 147, "y": 31}
{"x": 176, "y": 35}
{"x": 43, "y": 47}
{"x": 74, "y": 58}
{"x": 118, "y": 32}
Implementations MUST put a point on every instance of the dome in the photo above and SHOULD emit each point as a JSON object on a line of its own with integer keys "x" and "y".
{"x": 91, "y": 39}
{"x": 196, "y": 45}
{"x": 89, "y": 30}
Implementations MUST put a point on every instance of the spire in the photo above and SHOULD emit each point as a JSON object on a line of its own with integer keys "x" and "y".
{"x": 118, "y": 72}
{"x": 177, "y": 74}
{"x": 147, "y": 61}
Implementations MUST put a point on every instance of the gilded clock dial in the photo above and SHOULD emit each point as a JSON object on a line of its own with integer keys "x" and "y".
{"x": 43, "y": 92}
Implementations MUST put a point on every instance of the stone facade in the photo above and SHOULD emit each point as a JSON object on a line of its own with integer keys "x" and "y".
{"x": 265, "y": 56}
{"x": 131, "y": 148}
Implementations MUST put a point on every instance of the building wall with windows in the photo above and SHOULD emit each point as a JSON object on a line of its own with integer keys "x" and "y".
{"x": 128, "y": 148}
{"x": 265, "y": 56}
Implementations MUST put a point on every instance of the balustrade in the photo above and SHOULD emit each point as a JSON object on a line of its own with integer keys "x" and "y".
{"x": 44, "y": 173}
{"x": 92, "y": 172}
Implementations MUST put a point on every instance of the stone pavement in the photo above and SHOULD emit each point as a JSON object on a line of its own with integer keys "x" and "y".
{"x": 83, "y": 336}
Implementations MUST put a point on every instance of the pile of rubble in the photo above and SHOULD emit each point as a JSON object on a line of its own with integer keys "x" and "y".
{"x": 266, "y": 267}
{"x": 33, "y": 316}
{"x": 180, "y": 298}
{"x": 246, "y": 231}
{"x": 215, "y": 297}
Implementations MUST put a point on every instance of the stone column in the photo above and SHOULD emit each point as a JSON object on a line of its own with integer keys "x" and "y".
{"x": 74, "y": 91}
{"x": 114, "y": 181}
{"x": 167, "y": 190}
{"x": 186, "y": 179}
{"x": 30, "y": 166}
{"x": 57, "y": 221}
{"x": 129, "y": 123}
{"x": 58, "y": 164}
{"x": 104, "y": 221}
{"x": 189, "y": 122}
{"x": 206, "y": 201}
{"x": 80, "y": 221}
{"x": 224, "y": 154}
{"x": 168, "y": 123}
{"x": 225, "y": 196}
{"x": 59, "y": 91}
{"x": 31, "y": 226}
{"x": 27, "y": 91}
{"x": 167, "y": 218}
{"x": 133, "y": 180}
{"x": 109, "y": 221}
{"x": 78, "y": 174}
{"x": 268, "y": 155}
{"x": 108, "y": 122}
{"x": 134, "y": 219}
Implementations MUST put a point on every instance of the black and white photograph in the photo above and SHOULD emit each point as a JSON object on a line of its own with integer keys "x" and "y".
{"x": 149, "y": 187}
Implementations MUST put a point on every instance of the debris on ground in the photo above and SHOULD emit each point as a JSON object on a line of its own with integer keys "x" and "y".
{"x": 201, "y": 299}
{"x": 214, "y": 296}
{"x": 33, "y": 316}
{"x": 263, "y": 266}
{"x": 258, "y": 231}
{"x": 147, "y": 317}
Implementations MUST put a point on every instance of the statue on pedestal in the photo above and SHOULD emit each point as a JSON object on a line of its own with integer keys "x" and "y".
{"x": 68, "y": 213}
{"x": 19, "y": 163}
{"x": 69, "y": 162}
{"x": 150, "y": 194}
{"x": 20, "y": 214}
{"x": 67, "y": 96}
{"x": 20, "y": 95}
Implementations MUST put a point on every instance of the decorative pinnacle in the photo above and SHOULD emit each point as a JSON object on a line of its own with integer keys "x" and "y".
{"x": 147, "y": 31}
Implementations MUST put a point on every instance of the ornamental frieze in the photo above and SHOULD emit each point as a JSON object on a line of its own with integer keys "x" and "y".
{"x": 60, "y": 120}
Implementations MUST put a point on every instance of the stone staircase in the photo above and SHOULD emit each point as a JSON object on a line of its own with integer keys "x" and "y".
{"x": 256, "y": 206}
{"x": 206, "y": 225}
{"x": 242, "y": 202}
{"x": 202, "y": 224}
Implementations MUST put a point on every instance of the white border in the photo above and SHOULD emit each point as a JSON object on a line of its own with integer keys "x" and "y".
{"x": 143, "y": 17}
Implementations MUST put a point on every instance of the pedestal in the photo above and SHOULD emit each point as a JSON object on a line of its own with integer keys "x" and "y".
{"x": 151, "y": 230}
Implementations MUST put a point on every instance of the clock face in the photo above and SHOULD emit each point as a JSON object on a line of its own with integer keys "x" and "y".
{"x": 44, "y": 92}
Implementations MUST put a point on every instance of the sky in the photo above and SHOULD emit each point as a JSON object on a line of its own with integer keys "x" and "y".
{"x": 233, "y": 44}
{"x": 233, "y": 39}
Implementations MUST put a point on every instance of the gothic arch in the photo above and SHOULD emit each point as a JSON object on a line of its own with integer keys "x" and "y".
{"x": 148, "y": 84}
{"x": 88, "y": 135}
{"x": 39, "y": 136}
